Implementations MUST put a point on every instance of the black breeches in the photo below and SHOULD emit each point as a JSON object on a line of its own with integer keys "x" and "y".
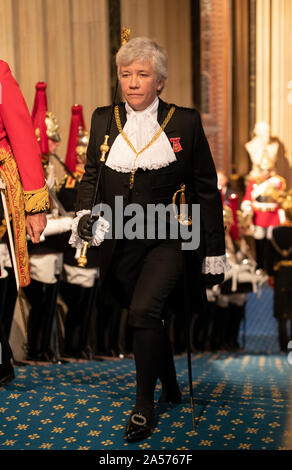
{"x": 144, "y": 277}
{"x": 260, "y": 251}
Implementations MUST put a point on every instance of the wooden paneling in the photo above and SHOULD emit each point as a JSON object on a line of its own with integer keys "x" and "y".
{"x": 29, "y": 45}
{"x": 90, "y": 40}
{"x": 167, "y": 22}
{"x": 240, "y": 106}
{"x": 216, "y": 78}
{"x": 274, "y": 72}
{"x": 7, "y": 49}
{"x": 63, "y": 43}
{"x": 263, "y": 60}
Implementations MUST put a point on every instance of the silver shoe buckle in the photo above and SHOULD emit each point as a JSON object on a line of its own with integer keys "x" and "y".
{"x": 138, "y": 419}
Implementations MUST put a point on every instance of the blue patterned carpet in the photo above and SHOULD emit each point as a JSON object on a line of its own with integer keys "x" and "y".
{"x": 260, "y": 326}
{"x": 242, "y": 401}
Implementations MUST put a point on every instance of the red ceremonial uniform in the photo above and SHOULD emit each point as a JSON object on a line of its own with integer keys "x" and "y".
{"x": 265, "y": 214}
{"x": 16, "y": 131}
{"x": 20, "y": 166}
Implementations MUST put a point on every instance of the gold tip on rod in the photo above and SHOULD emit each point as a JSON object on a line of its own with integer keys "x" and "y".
{"x": 125, "y": 35}
{"x": 82, "y": 260}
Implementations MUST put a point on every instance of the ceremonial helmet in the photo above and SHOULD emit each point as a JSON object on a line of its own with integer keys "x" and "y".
{"x": 44, "y": 121}
{"x": 82, "y": 143}
{"x": 52, "y": 127}
{"x": 78, "y": 139}
{"x": 262, "y": 129}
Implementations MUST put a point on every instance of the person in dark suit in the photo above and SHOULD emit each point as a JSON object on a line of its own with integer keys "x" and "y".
{"x": 156, "y": 149}
{"x": 278, "y": 265}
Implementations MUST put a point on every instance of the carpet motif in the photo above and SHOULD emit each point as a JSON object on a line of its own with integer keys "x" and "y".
{"x": 242, "y": 402}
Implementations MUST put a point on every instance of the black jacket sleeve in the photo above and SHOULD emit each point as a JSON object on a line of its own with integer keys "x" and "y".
{"x": 208, "y": 195}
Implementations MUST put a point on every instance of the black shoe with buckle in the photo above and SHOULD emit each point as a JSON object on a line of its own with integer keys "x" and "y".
{"x": 139, "y": 426}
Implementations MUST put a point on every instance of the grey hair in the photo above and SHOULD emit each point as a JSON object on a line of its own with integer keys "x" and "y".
{"x": 143, "y": 49}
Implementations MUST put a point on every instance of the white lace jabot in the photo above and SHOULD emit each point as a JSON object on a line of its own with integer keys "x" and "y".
{"x": 140, "y": 127}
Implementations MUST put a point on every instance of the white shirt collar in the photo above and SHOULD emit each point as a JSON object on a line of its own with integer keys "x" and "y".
{"x": 140, "y": 127}
{"x": 151, "y": 110}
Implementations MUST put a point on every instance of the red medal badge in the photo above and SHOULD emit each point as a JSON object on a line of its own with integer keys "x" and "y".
{"x": 176, "y": 146}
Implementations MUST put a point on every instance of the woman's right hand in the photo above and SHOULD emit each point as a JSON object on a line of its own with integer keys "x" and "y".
{"x": 85, "y": 225}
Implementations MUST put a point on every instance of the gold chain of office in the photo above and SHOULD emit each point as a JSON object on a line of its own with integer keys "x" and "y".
{"x": 155, "y": 137}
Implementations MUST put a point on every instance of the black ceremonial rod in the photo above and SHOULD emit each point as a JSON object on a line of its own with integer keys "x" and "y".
{"x": 104, "y": 148}
{"x": 183, "y": 220}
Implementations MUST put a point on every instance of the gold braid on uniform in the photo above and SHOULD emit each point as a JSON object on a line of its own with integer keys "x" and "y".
{"x": 37, "y": 200}
{"x": 15, "y": 203}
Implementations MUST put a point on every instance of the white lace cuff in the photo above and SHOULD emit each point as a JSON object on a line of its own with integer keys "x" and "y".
{"x": 215, "y": 265}
{"x": 100, "y": 227}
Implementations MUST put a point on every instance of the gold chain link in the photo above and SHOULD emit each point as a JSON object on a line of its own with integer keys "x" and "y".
{"x": 155, "y": 137}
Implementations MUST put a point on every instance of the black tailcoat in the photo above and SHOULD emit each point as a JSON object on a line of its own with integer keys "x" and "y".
{"x": 282, "y": 236}
{"x": 194, "y": 167}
